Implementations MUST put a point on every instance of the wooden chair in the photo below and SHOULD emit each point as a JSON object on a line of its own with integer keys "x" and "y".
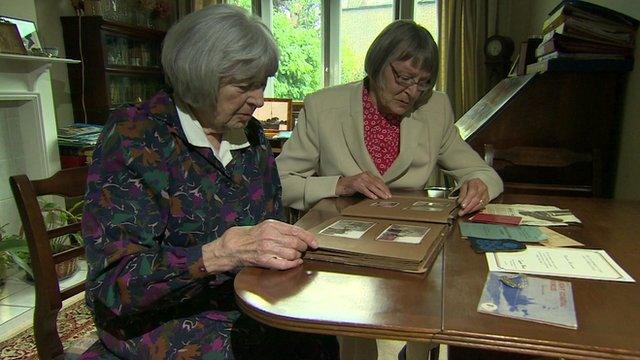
{"x": 550, "y": 171}
{"x": 68, "y": 183}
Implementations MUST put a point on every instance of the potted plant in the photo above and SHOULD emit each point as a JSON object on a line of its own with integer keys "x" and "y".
{"x": 54, "y": 217}
{"x": 8, "y": 244}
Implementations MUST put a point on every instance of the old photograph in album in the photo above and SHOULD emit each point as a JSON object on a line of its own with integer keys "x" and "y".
{"x": 381, "y": 243}
{"x": 411, "y": 208}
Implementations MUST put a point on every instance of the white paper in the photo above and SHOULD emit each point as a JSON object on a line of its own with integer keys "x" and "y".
{"x": 566, "y": 262}
{"x": 515, "y": 210}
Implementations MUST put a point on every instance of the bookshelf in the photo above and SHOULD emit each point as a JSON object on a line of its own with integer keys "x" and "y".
{"x": 120, "y": 64}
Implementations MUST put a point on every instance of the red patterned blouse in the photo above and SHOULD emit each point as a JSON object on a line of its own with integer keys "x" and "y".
{"x": 381, "y": 134}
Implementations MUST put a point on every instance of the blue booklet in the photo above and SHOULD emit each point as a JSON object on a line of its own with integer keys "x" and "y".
{"x": 529, "y": 298}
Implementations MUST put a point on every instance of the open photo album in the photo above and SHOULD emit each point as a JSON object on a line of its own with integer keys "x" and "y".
{"x": 375, "y": 233}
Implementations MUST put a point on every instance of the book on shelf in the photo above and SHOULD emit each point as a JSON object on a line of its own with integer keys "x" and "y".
{"x": 576, "y": 65}
{"x": 388, "y": 234}
{"x": 72, "y": 156}
{"x": 79, "y": 135}
{"x": 568, "y": 44}
{"x": 586, "y": 11}
{"x": 579, "y": 56}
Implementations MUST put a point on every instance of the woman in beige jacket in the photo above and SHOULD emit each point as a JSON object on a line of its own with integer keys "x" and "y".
{"x": 388, "y": 131}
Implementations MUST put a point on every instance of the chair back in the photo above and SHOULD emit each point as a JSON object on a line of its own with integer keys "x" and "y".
{"x": 549, "y": 171}
{"x": 68, "y": 183}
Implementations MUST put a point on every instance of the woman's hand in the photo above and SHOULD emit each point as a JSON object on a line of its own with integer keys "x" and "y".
{"x": 370, "y": 186}
{"x": 474, "y": 195}
{"x": 270, "y": 244}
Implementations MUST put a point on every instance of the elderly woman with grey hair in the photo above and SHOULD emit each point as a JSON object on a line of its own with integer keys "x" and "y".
{"x": 388, "y": 131}
{"x": 182, "y": 191}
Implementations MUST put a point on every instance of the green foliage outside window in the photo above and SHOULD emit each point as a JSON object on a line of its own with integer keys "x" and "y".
{"x": 352, "y": 65}
{"x": 297, "y": 30}
{"x": 246, "y": 4}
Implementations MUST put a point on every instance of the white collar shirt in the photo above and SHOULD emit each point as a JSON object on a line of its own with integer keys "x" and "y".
{"x": 232, "y": 139}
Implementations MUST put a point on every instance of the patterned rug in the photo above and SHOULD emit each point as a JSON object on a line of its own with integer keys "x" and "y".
{"x": 74, "y": 325}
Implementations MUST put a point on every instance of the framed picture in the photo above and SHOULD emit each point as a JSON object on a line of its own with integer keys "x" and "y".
{"x": 27, "y": 31}
{"x": 275, "y": 115}
{"x": 10, "y": 41}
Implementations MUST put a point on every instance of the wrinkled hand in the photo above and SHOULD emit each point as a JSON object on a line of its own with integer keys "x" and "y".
{"x": 271, "y": 244}
{"x": 365, "y": 183}
{"x": 474, "y": 195}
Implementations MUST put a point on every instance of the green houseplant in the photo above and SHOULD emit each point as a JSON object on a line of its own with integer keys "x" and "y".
{"x": 9, "y": 244}
{"x": 13, "y": 248}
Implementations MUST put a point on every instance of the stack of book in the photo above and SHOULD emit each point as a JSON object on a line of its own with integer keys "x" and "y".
{"x": 76, "y": 143}
{"x": 580, "y": 36}
{"x": 79, "y": 135}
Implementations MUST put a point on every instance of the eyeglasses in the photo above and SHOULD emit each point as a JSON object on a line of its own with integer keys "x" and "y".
{"x": 406, "y": 81}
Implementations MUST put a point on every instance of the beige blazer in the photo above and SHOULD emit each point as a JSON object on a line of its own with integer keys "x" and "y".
{"x": 328, "y": 142}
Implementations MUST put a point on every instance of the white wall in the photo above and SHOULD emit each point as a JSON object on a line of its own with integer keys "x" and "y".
{"x": 46, "y": 14}
{"x": 526, "y": 17}
{"x": 50, "y": 33}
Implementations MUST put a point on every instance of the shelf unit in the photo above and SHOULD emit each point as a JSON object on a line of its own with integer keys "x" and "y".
{"x": 120, "y": 64}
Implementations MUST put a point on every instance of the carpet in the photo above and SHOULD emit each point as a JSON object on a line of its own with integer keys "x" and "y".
{"x": 75, "y": 326}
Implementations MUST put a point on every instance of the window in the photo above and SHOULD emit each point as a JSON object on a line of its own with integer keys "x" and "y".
{"x": 360, "y": 22}
{"x": 426, "y": 14}
{"x": 296, "y": 26}
{"x": 324, "y": 42}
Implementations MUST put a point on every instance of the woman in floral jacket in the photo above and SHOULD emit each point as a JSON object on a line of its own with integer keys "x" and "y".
{"x": 183, "y": 189}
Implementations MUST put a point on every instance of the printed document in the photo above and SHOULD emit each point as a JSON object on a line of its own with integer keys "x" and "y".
{"x": 567, "y": 262}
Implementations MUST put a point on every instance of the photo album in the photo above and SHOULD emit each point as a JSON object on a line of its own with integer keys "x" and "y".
{"x": 401, "y": 233}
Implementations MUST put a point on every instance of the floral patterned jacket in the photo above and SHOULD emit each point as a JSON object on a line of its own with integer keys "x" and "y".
{"x": 152, "y": 201}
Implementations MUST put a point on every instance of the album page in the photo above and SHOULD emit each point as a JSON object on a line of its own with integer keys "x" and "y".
{"x": 406, "y": 208}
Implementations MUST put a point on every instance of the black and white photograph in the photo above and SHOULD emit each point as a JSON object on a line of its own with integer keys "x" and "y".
{"x": 385, "y": 204}
{"x": 352, "y": 229}
{"x": 425, "y": 206}
{"x": 408, "y": 234}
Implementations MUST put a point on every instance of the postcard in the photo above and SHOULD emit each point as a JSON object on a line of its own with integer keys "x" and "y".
{"x": 536, "y": 215}
{"x": 408, "y": 234}
{"x": 353, "y": 229}
{"x": 567, "y": 262}
{"x": 541, "y": 300}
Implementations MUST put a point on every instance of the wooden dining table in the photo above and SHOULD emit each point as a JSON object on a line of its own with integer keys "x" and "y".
{"x": 441, "y": 305}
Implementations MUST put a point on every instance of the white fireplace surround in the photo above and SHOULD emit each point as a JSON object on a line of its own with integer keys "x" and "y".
{"x": 28, "y": 132}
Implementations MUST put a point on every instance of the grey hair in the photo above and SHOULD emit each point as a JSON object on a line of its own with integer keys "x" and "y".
{"x": 402, "y": 40}
{"x": 214, "y": 46}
